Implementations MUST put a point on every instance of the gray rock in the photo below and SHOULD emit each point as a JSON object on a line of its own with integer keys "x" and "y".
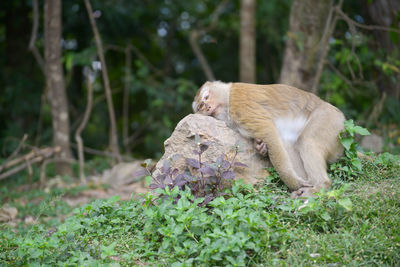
{"x": 222, "y": 140}
{"x": 120, "y": 175}
{"x": 372, "y": 142}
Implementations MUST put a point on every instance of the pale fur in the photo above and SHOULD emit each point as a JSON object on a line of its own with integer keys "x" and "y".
{"x": 289, "y": 128}
{"x": 299, "y": 129}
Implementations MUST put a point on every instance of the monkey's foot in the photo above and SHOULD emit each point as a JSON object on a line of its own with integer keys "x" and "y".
{"x": 261, "y": 147}
{"x": 304, "y": 192}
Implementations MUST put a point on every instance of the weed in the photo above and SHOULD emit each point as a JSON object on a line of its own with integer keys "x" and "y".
{"x": 349, "y": 166}
{"x": 209, "y": 180}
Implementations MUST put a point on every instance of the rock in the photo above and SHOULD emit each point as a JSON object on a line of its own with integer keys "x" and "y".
{"x": 372, "y": 142}
{"x": 8, "y": 213}
{"x": 121, "y": 174}
{"x": 222, "y": 140}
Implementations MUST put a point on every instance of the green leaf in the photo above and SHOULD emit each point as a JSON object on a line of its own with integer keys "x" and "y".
{"x": 325, "y": 216}
{"x": 346, "y": 203}
{"x": 346, "y": 142}
{"x": 69, "y": 61}
{"x": 114, "y": 199}
{"x": 356, "y": 162}
{"x": 349, "y": 125}
{"x": 360, "y": 130}
{"x": 107, "y": 251}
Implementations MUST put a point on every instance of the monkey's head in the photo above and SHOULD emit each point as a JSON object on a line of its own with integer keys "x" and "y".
{"x": 212, "y": 99}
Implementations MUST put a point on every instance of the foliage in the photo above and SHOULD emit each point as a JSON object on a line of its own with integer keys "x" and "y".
{"x": 352, "y": 225}
{"x": 349, "y": 166}
{"x": 209, "y": 179}
{"x": 360, "y": 70}
{"x": 237, "y": 226}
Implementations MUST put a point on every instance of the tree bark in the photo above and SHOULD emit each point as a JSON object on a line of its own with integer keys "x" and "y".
{"x": 55, "y": 82}
{"x": 310, "y": 28}
{"x": 247, "y": 54}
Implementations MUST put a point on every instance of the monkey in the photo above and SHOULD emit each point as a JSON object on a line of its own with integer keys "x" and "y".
{"x": 298, "y": 130}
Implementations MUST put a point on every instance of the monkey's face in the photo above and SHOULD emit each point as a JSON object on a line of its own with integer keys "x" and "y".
{"x": 204, "y": 102}
{"x": 212, "y": 99}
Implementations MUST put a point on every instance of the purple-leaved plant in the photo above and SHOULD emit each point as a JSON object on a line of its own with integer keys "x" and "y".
{"x": 209, "y": 182}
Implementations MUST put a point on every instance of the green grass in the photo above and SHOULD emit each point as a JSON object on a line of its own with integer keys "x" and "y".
{"x": 357, "y": 223}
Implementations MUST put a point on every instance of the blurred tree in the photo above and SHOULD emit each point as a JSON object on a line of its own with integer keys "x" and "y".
{"x": 247, "y": 50}
{"x": 55, "y": 84}
{"x": 311, "y": 25}
{"x": 20, "y": 81}
{"x": 164, "y": 72}
{"x": 386, "y": 13}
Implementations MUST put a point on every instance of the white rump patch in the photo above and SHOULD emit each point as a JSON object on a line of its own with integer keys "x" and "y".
{"x": 290, "y": 128}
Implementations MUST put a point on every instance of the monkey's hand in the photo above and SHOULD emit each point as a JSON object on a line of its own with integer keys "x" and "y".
{"x": 304, "y": 192}
{"x": 261, "y": 147}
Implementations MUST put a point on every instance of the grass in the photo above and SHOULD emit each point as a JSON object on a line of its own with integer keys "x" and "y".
{"x": 356, "y": 223}
{"x": 369, "y": 235}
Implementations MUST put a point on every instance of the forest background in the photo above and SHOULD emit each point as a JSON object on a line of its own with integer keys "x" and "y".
{"x": 158, "y": 53}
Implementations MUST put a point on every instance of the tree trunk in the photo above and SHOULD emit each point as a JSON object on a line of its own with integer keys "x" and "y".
{"x": 55, "y": 82}
{"x": 308, "y": 40}
{"x": 247, "y": 56}
{"x": 384, "y": 13}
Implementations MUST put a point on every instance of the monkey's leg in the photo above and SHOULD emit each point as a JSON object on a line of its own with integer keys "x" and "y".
{"x": 294, "y": 156}
{"x": 318, "y": 142}
{"x": 315, "y": 168}
{"x": 297, "y": 163}
{"x": 278, "y": 155}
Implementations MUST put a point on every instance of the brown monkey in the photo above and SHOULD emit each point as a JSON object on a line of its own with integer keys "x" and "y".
{"x": 297, "y": 129}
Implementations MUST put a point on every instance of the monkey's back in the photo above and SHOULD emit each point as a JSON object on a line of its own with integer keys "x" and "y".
{"x": 274, "y": 100}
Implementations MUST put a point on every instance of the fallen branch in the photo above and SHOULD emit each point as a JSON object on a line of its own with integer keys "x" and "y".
{"x": 48, "y": 161}
{"x": 48, "y": 151}
{"x": 19, "y": 168}
{"x": 16, "y": 151}
{"x": 35, "y": 156}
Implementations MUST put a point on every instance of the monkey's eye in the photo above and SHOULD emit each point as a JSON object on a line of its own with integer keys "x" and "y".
{"x": 201, "y": 106}
{"x": 206, "y": 97}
